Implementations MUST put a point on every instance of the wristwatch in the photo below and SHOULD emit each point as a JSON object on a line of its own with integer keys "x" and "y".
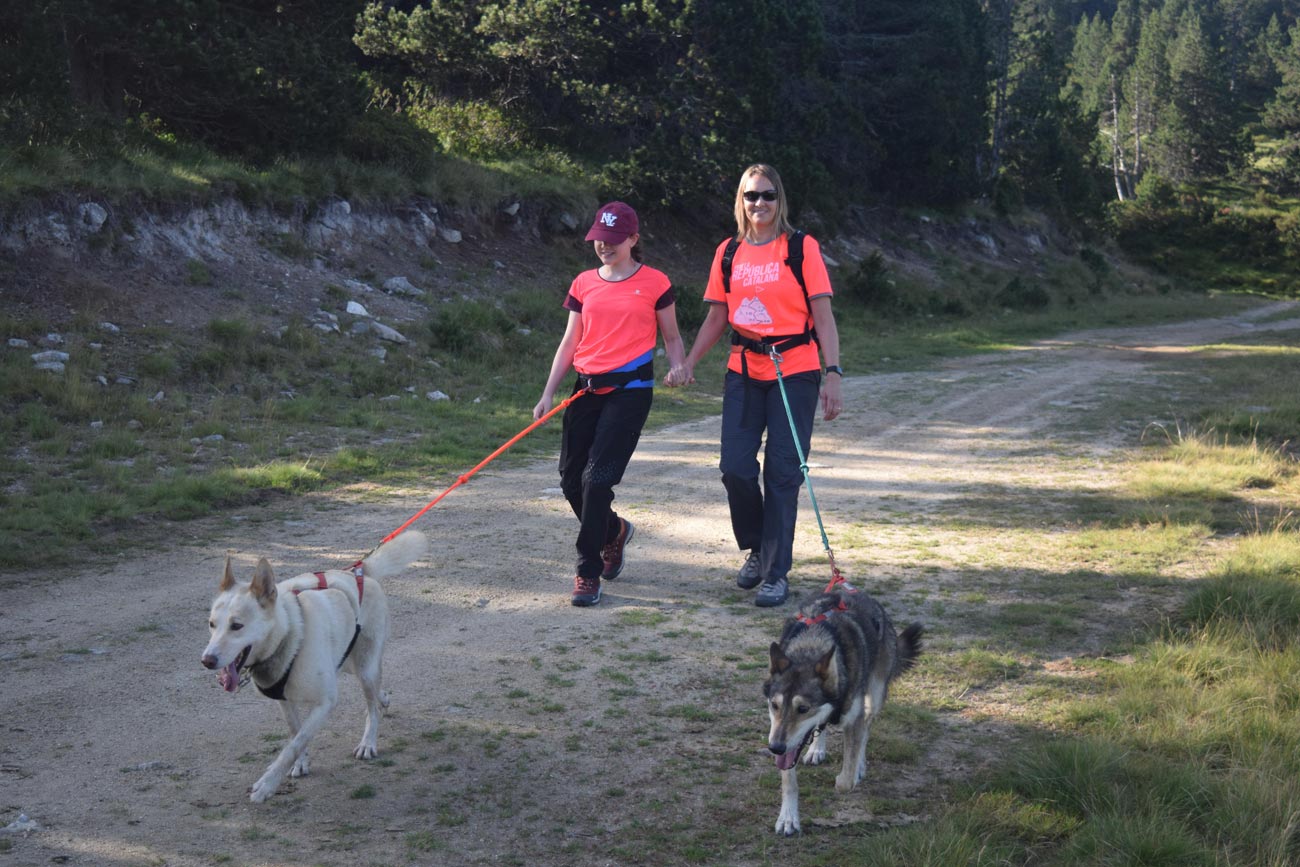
{"x": 835, "y": 368}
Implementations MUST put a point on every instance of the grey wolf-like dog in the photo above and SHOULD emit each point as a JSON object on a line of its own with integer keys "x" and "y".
{"x": 293, "y": 637}
{"x": 833, "y": 665}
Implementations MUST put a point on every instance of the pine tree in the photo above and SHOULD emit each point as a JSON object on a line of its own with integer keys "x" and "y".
{"x": 1197, "y": 133}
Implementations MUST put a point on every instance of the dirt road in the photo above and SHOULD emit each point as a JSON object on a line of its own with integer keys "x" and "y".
{"x": 522, "y": 730}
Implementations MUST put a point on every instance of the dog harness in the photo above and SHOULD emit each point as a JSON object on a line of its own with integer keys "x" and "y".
{"x": 276, "y": 690}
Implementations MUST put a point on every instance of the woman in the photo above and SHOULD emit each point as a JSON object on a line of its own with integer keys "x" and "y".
{"x": 615, "y": 312}
{"x": 755, "y": 286}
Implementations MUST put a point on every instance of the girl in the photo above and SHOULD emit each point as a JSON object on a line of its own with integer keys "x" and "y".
{"x": 615, "y": 312}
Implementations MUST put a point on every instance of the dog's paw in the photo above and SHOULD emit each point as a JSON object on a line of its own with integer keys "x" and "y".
{"x": 845, "y": 782}
{"x": 302, "y": 767}
{"x": 365, "y": 751}
{"x": 384, "y": 698}
{"x": 814, "y": 755}
{"x": 787, "y": 825}
{"x": 262, "y": 789}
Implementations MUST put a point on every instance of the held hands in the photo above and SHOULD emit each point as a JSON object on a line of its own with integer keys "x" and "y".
{"x": 679, "y": 375}
{"x": 832, "y": 398}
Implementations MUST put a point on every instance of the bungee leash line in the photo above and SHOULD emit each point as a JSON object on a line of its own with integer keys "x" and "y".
{"x": 836, "y": 577}
{"x": 483, "y": 463}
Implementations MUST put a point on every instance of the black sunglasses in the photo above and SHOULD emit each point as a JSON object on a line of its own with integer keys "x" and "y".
{"x": 755, "y": 195}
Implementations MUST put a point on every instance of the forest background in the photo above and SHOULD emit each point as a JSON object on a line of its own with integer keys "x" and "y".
{"x": 1144, "y": 119}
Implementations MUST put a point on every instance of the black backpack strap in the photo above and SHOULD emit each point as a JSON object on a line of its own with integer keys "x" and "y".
{"x": 730, "y": 253}
{"x": 794, "y": 260}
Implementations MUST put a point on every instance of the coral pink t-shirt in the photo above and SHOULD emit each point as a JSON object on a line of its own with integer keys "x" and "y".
{"x": 619, "y": 321}
{"x": 766, "y": 300}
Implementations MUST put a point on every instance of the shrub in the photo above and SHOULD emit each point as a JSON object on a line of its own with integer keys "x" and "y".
{"x": 469, "y": 327}
{"x": 1019, "y": 295}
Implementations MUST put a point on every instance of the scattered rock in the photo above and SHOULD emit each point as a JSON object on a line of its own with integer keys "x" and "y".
{"x": 383, "y": 332}
{"x": 356, "y": 309}
{"x": 91, "y": 216}
{"x": 51, "y": 340}
{"x": 21, "y": 825}
{"x": 451, "y": 236}
{"x": 50, "y": 355}
{"x": 401, "y": 286}
{"x": 18, "y": 343}
{"x": 438, "y": 395}
{"x": 109, "y": 327}
{"x": 52, "y": 366}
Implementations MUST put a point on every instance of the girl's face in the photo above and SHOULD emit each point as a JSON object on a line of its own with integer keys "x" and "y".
{"x": 614, "y": 255}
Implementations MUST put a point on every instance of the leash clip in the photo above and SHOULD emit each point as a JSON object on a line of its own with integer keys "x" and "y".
{"x": 774, "y": 354}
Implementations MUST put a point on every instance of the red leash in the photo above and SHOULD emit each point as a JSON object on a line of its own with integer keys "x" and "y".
{"x": 483, "y": 463}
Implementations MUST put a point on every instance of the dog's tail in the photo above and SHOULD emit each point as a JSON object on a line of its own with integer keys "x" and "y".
{"x": 909, "y": 648}
{"x": 396, "y": 555}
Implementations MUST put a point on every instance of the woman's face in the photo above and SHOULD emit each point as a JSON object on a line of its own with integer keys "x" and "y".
{"x": 760, "y": 201}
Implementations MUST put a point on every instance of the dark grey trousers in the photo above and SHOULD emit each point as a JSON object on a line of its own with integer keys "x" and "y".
{"x": 763, "y": 518}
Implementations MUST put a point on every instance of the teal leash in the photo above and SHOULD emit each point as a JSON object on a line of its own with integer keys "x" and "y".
{"x": 836, "y": 577}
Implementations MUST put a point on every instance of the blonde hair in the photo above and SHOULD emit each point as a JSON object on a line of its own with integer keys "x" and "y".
{"x": 782, "y": 208}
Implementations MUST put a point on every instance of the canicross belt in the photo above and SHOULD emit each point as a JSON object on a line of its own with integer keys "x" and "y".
{"x": 764, "y": 346}
{"x": 616, "y": 379}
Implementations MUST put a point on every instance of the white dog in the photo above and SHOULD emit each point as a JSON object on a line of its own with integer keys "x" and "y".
{"x": 293, "y": 637}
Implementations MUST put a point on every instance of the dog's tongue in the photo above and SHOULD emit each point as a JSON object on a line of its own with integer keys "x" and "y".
{"x": 228, "y": 677}
{"x": 786, "y": 760}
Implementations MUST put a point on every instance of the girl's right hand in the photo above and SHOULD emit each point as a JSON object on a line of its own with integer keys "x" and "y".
{"x": 543, "y": 407}
{"x": 679, "y": 376}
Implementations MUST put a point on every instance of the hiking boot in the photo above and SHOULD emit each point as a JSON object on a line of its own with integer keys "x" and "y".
{"x": 586, "y": 591}
{"x": 747, "y": 578}
{"x": 773, "y": 593}
{"x": 612, "y": 554}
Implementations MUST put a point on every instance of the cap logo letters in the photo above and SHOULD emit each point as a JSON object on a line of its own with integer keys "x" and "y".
{"x": 608, "y": 219}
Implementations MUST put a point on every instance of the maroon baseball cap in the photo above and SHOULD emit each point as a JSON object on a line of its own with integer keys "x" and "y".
{"x": 614, "y": 224}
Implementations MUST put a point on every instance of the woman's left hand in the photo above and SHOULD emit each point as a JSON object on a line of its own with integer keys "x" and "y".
{"x": 832, "y": 396}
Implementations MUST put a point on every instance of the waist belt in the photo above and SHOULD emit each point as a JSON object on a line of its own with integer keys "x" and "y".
{"x": 778, "y": 343}
{"x": 617, "y": 379}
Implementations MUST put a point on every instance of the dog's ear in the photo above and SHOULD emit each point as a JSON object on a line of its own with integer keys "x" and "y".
{"x": 263, "y": 586}
{"x": 828, "y": 672}
{"x": 780, "y": 662}
{"x": 227, "y": 578}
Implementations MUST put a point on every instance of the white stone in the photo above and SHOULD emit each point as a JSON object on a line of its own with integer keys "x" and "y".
{"x": 91, "y": 216}
{"x": 356, "y": 309}
{"x": 401, "y": 286}
{"x": 49, "y": 355}
{"x": 383, "y": 332}
{"x": 437, "y": 395}
{"x": 451, "y": 236}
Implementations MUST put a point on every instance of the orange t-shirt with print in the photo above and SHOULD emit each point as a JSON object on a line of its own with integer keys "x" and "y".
{"x": 766, "y": 300}
{"x": 619, "y": 319}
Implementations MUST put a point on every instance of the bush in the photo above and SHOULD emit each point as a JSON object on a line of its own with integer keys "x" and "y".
{"x": 871, "y": 285}
{"x": 469, "y": 328}
{"x": 1019, "y": 295}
